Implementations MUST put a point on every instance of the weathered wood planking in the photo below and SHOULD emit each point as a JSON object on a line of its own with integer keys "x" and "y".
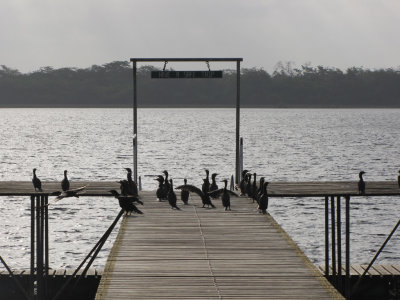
{"x": 375, "y": 270}
{"x": 200, "y": 253}
{"x": 275, "y": 189}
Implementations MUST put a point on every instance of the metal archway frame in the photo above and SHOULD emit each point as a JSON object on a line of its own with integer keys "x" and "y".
{"x": 135, "y": 135}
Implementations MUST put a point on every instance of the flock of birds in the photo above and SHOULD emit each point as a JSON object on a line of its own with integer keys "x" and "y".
{"x": 129, "y": 194}
{"x": 127, "y": 197}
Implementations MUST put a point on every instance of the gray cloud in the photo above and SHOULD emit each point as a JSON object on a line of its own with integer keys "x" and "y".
{"x": 72, "y": 33}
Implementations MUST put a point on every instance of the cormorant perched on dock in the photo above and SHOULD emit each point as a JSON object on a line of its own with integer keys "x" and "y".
{"x": 205, "y": 198}
{"x": 206, "y": 183}
{"x": 213, "y": 185}
{"x": 361, "y": 183}
{"x": 260, "y": 189}
{"x": 67, "y": 193}
{"x": 185, "y": 193}
{"x": 248, "y": 185}
{"x": 65, "y": 182}
{"x": 263, "y": 202}
{"x": 224, "y": 193}
{"x": 133, "y": 190}
{"x": 172, "y": 196}
{"x": 37, "y": 184}
{"x": 124, "y": 186}
{"x": 160, "y": 191}
{"x": 126, "y": 202}
{"x": 166, "y": 183}
{"x": 254, "y": 187}
{"x": 242, "y": 184}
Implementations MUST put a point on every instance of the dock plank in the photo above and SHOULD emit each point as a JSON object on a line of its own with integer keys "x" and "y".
{"x": 199, "y": 253}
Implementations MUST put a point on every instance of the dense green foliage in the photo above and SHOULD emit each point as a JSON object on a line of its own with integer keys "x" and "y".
{"x": 110, "y": 85}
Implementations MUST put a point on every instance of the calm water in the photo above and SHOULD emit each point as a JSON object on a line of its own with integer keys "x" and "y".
{"x": 281, "y": 144}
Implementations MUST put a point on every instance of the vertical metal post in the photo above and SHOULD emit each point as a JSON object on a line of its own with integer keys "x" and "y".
{"x": 241, "y": 160}
{"x": 32, "y": 275}
{"x": 339, "y": 245}
{"x": 333, "y": 240}
{"x": 237, "y": 120}
{"x": 39, "y": 254}
{"x": 46, "y": 234}
{"x": 134, "y": 121}
{"x": 347, "y": 289}
{"x": 326, "y": 236}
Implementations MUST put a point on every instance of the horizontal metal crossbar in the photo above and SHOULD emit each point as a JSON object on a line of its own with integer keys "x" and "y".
{"x": 186, "y": 59}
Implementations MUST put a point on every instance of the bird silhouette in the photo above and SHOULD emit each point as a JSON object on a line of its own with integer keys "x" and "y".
{"x": 132, "y": 186}
{"x": 224, "y": 193}
{"x": 160, "y": 190}
{"x": 126, "y": 203}
{"x": 185, "y": 193}
{"x": 205, "y": 187}
{"x": 242, "y": 184}
{"x": 205, "y": 198}
{"x": 361, "y": 183}
{"x": 67, "y": 194}
{"x": 172, "y": 196}
{"x": 263, "y": 201}
{"x": 37, "y": 184}
{"x": 65, "y": 182}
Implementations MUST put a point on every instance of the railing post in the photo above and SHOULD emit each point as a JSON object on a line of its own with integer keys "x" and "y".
{"x": 339, "y": 245}
{"x": 32, "y": 274}
{"x": 326, "y": 236}
{"x": 333, "y": 241}
{"x": 347, "y": 283}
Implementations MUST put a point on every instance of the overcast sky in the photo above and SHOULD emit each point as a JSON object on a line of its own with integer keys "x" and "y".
{"x": 81, "y": 33}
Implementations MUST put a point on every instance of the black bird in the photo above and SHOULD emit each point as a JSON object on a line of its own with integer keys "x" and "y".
{"x": 133, "y": 190}
{"x": 260, "y": 189}
{"x": 213, "y": 185}
{"x": 254, "y": 187}
{"x": 263, "y": 201}
{"x": 172, "y": 196}
{"x": 361, "y": 183}
{"x": 224, "y": 193}
{"x": 185, "y": 193}
{"x": 205, "y": 198}
{"x": 206, "y": 183}
{"x": 126, "y": 202}
{"x": 166, "y": 183}
{"x": 37, "y": 184}
{"x": 124, "y": 186}
{"x": 398, "y": 179}
{"x": 67, "y": 194}
{"x": 242, "y": 184}
{"x": 65, "y": 182}
{"x": 160, "y": 190}
{"x": 248, "y": 185}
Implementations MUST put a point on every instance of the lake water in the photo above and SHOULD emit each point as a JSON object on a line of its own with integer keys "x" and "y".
{"x": 280, "y": 144}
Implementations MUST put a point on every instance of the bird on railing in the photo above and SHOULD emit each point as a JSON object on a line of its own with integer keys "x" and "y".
{"x": 172, "y": 196}
{"x": 361, "y": 183}
{"x": 185, "y": 193}
{"x": 242, "y": 184}
{"x": 224, "y": 193}
{"x": 263, "y": 201}
{"x": 205, "y": 187}
{"x": 133, "y": 190}
{"x": 126, "y": 203}
{"x": 37, "y": 184}
{"x": 65, "y": 182}
{"x": 205, "y": 198}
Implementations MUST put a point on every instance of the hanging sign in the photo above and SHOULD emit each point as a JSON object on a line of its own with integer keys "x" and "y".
{"x": 186, "y": 74}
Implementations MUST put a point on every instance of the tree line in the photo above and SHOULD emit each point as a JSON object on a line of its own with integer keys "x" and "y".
{"x": 110, "y": 85}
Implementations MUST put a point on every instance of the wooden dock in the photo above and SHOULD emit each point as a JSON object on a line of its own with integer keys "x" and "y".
{"x": 200, "y": 253}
